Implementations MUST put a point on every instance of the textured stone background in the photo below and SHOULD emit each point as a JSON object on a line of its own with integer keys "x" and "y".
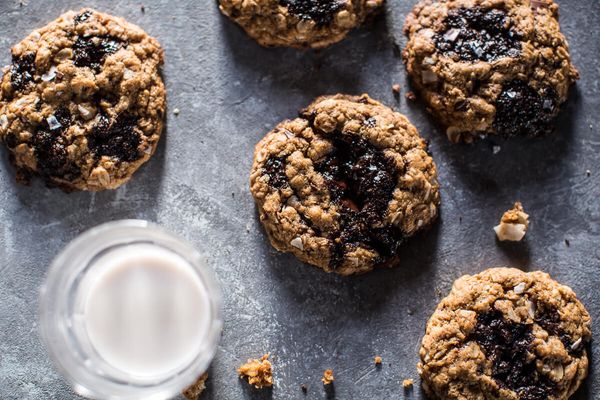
{"x": 230, "y": 92}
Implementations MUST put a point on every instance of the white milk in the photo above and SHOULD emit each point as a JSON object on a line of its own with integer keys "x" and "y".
{"x": 145, "y": 310}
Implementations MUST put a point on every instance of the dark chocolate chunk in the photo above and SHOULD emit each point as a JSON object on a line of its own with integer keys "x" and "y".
{"x": 507, "y": 344}
{"x": 84, "y": 16}
{"x": 22, "y": 70}
{"x": 522, "y": 110}
{"x": 361, "y": 181}
{"x": 275, "y": 169}
{"x": 115, "y": 138}
{"x": 478, "y": 34}
{"x": 50, "y": 148}
{"x": 91, "y": 51}
{"x": 319, "y": 11}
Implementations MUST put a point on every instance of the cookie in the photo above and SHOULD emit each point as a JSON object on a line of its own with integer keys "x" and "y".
{"x": 82, "y": 103}
{"x": 344, "y": 184}
{"x": 505, "y": 334}
{"x": 299, "y": 23}
{"x": 489, "y": 67}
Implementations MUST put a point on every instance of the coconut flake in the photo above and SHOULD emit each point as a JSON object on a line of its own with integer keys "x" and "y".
{"x": 50, "y": 75}
{"x": 428, "y": 61}
{"x": 510, "y": 232}
{"x": 297, "y": 243}
{"x": 53, "y": 123}
{"x": 577, "y": 343}
{"x": 3, "y": 121}
{"x": 128, "y": 74}
{"x": 531, "y": 309}
{"x": 520, "y": 288}
{"x": 496, "y": 149}
{"x": 85, "y": 113}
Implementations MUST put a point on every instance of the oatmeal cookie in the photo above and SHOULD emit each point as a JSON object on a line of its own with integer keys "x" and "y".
{"x": 82, "y": 103}
{"x": 343, "y": 185}
{"x": 299, "y": 23}
{"x": 505, "y": 334}
{"x": 489, "y": 67}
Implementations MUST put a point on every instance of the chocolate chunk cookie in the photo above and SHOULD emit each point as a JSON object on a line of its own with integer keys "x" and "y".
{"x": 344, "y": 184}
{"x": 82, "y": 103}
{"x": 499, "y": 67}
{"x": 299, "y": 23}
{"x": 507, "y": 335}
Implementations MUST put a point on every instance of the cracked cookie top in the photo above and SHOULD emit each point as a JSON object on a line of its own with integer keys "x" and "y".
{"x": 299, "y": 23}
{"x": 499, "y": 67}
{"x": 343, "y": 185}
{"x": 506, "y": 334}
{"x": 82, "y": 103}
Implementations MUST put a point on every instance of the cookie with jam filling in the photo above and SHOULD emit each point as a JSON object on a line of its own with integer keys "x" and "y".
{"x": 489, "y": 68}
{"x": 299, "y": 23}
{"x": 506, "y": 334}
{"x": 342, "y": 186}
{"x": 82, "y": 104}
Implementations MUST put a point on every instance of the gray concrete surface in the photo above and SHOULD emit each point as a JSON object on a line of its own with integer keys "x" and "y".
{"x": 230, "y": 92}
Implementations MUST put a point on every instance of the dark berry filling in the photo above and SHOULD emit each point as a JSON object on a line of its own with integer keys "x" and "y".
{"x": 361, "y": 180}
{"x": 50, "y": 147}
{"x": 478, "y": 34}
{"x": 275, "y": 168}
{"x": 22, "y": 70}
{"x": 319, "y": 11}
{"x": 84, "y": 16}
{"x": 115, "y": 138}
{"x": 91, "y": 51}
{"x": 507, "y": 344}
{"x": 549, "y": 319}
{"x": 522, "y": 110}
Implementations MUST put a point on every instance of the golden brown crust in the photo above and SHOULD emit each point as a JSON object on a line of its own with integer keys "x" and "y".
{"x": 301, "y": 214}
{"x": 463, "y": 95}
{"x": 272, "y": 23}
{"x": 551, "y": 320}
{"x": 85, "y": 76}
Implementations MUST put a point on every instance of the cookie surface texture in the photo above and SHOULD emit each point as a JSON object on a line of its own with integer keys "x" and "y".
{"x": 508, "y": 335}
{"x": 343, "y": 185}
{"x": 82, "y": 103}
{"x": 489, "y": 67}
{"x": 299, "y": 23}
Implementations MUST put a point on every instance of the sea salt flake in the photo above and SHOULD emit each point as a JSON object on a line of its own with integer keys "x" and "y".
{"x": 50, "y": 75}
{"x": 297, "y": 243}
{"x": 451, "y": 35}
{"x": 520, "y": 288}
{"x": 53, "y": 123}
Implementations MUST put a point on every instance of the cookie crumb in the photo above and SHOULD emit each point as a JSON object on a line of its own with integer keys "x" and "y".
{"x": 378, "y": 360}
{"x": 513, "y": 225}
{"x": 176, "y": 111}
{"x": 396, "y": 89}
{"x": 496, "y": 149}
{"x": 304, "y": 388}
{"x": 411, "y": 96}
{"x": 328, "y": 377}
{"x": 258, "y": 372}
{"x": 588, "y": 172}
{"x": 142, "y": 8}
{"x": 196, "y": 389}
{"x": 407, "y": 383}
{"x": 567, "y": 242}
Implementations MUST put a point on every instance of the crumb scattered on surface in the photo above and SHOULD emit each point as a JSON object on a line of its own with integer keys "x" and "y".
{"x": 411, "y": 96}
{"x": 588, "y": 172}
{"x": 142, "y": 8}
{"x": 328, "y": 377}
{"x": 304, "y": 388}
{"x": 396, "y": 89}
{"x": 567, "y": 242}
{"x": 378, "y": 360}
{"x": 407, "y": 383}
{"x": 513, "y": 225}
{"x": 196, "y": 389}
{"x": 258, "y": 372}
{"x": 176, "y": 111}
{"x": 496, "y": 149}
